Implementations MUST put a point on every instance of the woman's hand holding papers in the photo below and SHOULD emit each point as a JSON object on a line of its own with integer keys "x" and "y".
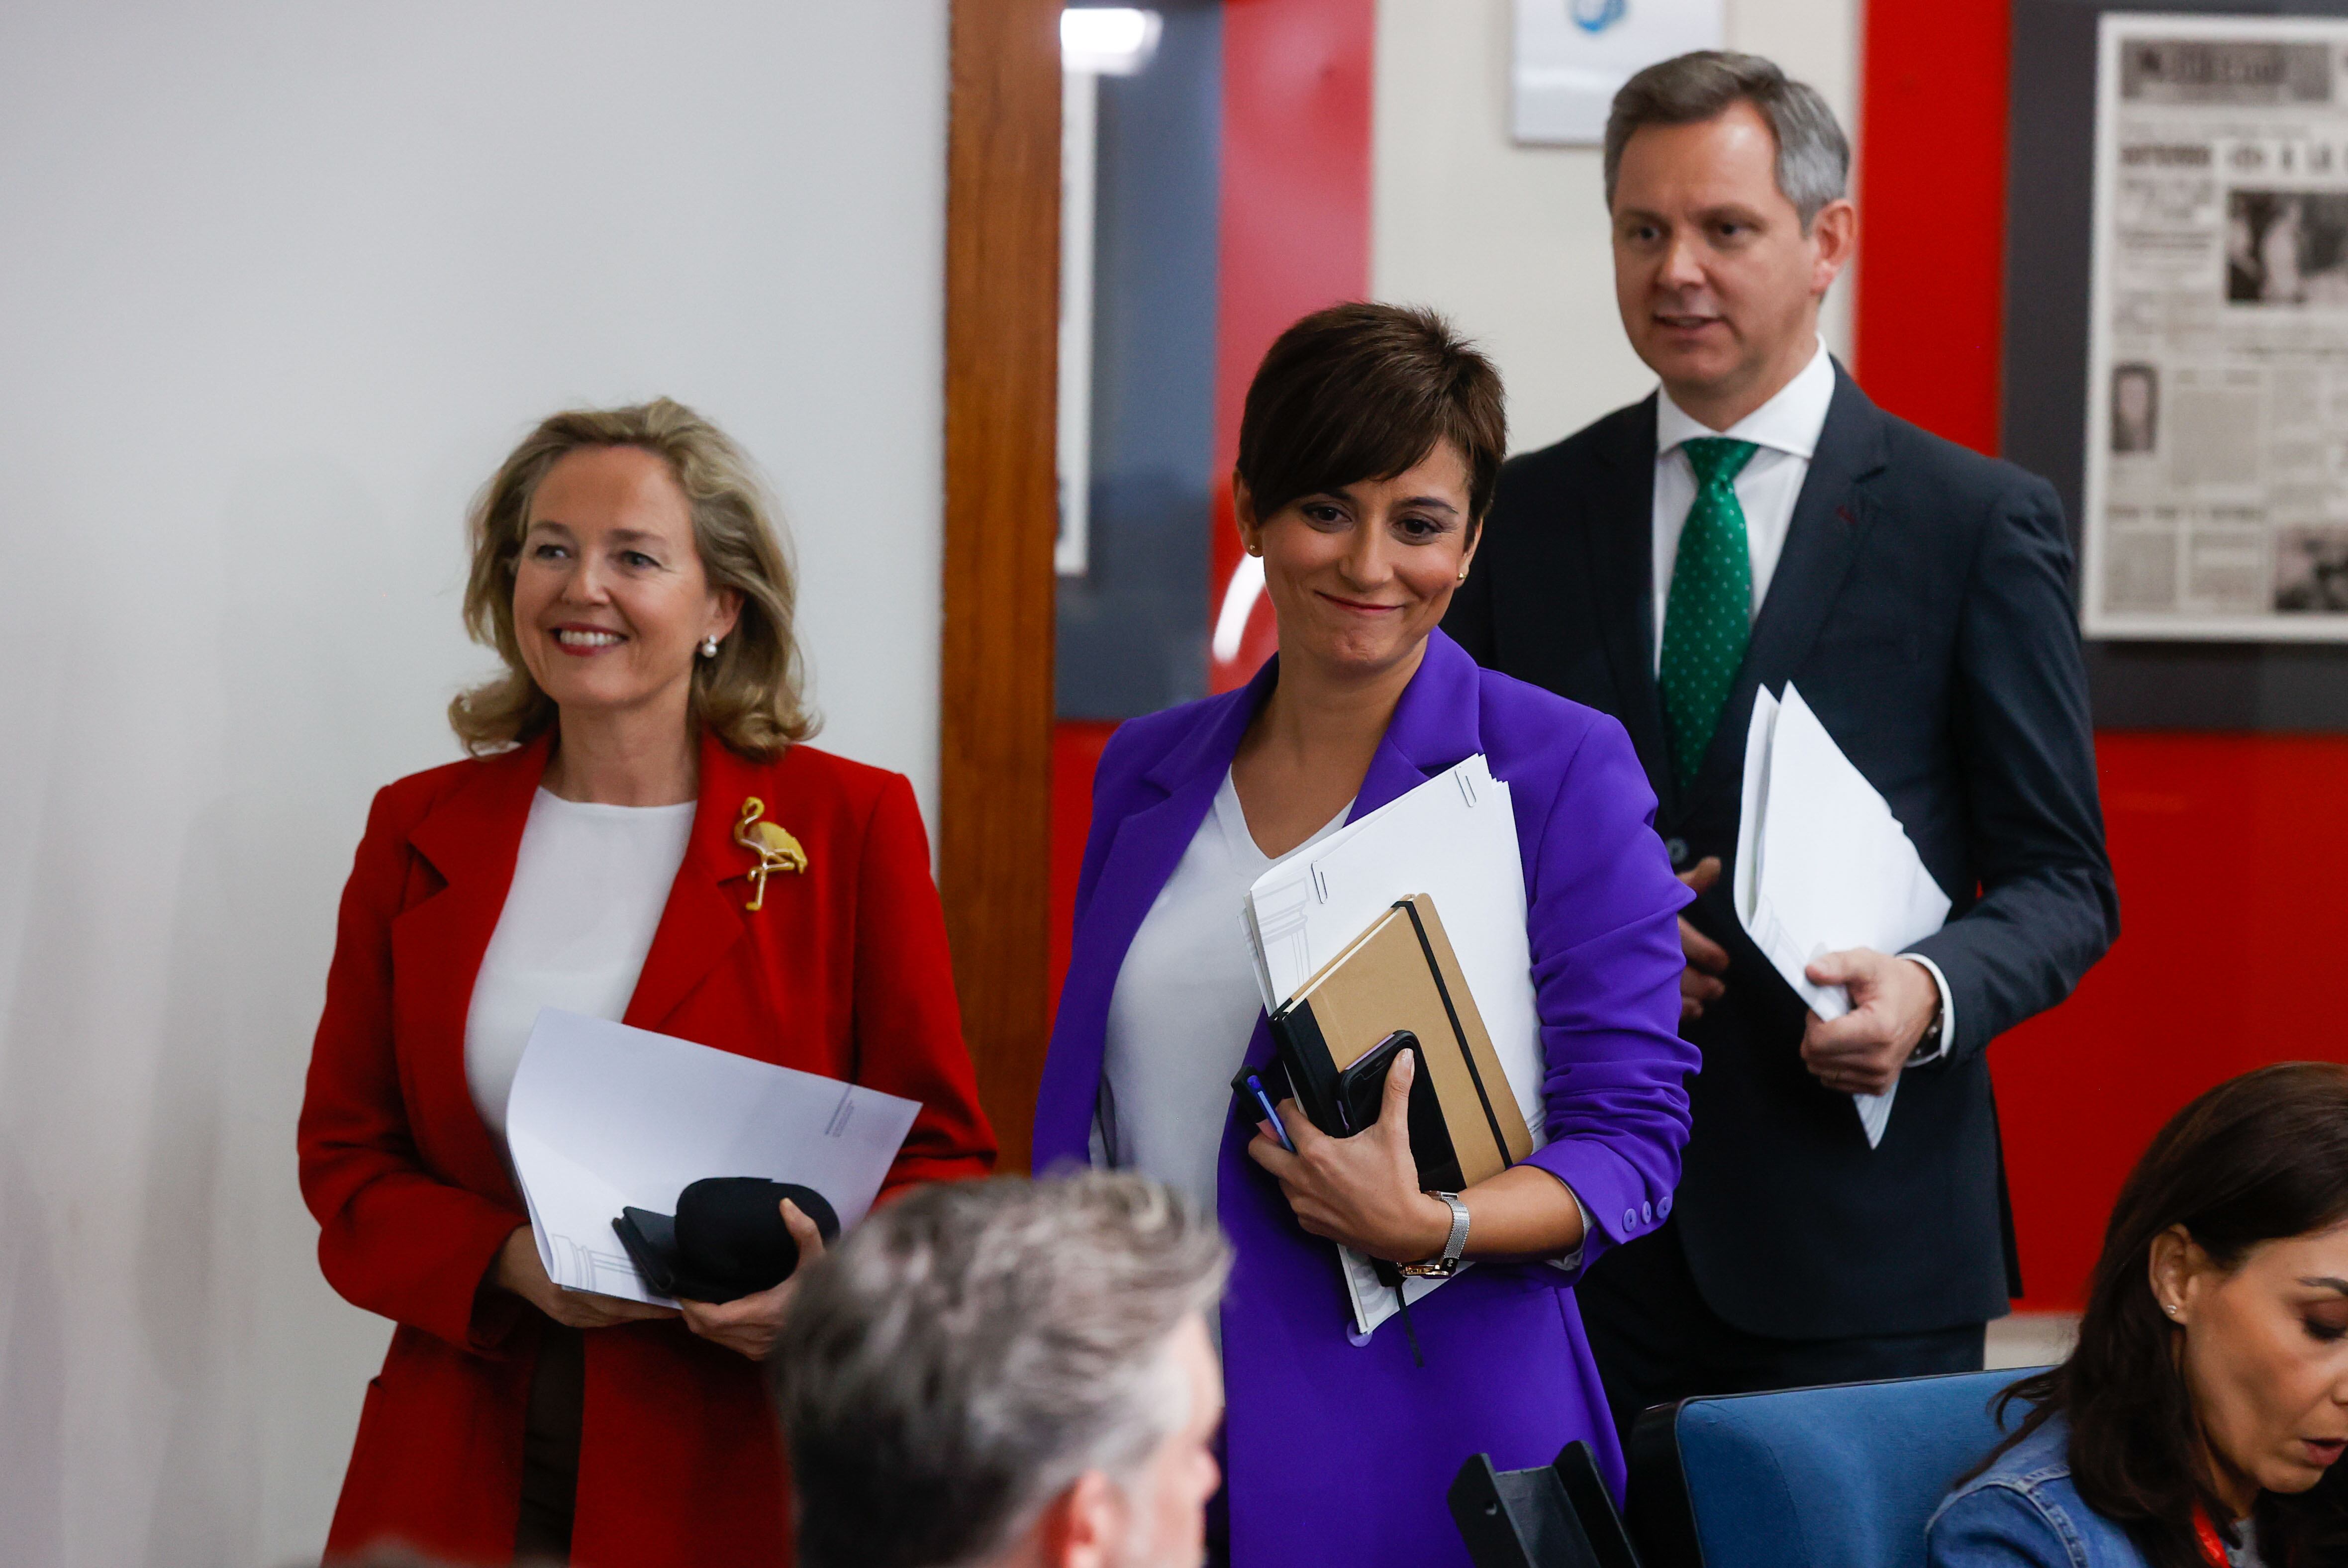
{"x": 747, "y": 1325}
{"x": 1361, "y": 1191}
{"x": 520, "y": 1271}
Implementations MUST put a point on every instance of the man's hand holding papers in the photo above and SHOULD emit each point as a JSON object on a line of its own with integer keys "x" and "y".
{"x": 1892, "y": 1002}
{"x": 1827, "y": 883}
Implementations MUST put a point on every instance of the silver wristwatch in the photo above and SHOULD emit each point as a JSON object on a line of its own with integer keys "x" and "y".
{"x": 1445, "y": 1266}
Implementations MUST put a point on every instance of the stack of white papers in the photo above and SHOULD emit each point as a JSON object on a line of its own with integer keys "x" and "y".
{"x": 605, "y": 1117}
{"x": 1455, "y": 839}
{"x": 1822, "y": 865}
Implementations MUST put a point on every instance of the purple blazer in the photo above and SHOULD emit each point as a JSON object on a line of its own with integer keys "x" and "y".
{"x": 1339, "y": 1454}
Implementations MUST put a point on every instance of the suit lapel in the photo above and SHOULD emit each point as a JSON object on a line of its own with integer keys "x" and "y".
{"x": 1619, "y": 535}
{"x": 1149, "y": 845}
{"x": 1438, "y": 724}
{"x": 1155, "y": 833}
{"x": 702, "y": 920}
{"x": 1435, "y": 725}
{"x": 1830, "y": 517}
{"x": 471, "y": 839}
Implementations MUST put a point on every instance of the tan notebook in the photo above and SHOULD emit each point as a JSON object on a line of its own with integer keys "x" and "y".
{"x": 1401, "y": 977}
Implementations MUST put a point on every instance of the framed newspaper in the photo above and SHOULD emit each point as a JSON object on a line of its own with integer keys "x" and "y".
{"x": 2216, "y": 435}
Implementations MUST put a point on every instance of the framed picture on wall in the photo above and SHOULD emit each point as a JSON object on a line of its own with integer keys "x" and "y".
{"x": 1571, "y": 56}
{"x": 2216, "y": 429}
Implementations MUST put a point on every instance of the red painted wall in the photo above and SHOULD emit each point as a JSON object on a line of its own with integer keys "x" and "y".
{"x": 2223, "y": 844}
{"x": 2228, "y": 871}
{"x": 1932, "y": 210}
{"x": 1295, "y": 220}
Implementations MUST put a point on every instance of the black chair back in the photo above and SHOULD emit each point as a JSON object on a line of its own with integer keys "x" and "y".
{"x": 1559, "y": 1516}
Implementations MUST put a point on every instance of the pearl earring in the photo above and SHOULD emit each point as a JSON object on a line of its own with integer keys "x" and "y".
{"x": 2172, "y": 1311}
{"x": 709, "y": 647}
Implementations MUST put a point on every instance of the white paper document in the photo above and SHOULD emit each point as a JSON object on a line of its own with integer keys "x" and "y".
{"x": 1822, "y": 865}
{"x": 1455, "y": 839}
{"x": 605, "y": 1117}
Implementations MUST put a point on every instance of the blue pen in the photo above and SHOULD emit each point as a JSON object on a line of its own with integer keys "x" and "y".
{"x": 1255, "y": 1087}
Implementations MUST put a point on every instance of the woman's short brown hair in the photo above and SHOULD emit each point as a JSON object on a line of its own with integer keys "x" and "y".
{"x": 1367, "y": 391}
{"x": 751, "y": 695}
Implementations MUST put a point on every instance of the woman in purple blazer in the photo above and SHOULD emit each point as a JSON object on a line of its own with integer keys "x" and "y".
{"x": 1369, "y": 449}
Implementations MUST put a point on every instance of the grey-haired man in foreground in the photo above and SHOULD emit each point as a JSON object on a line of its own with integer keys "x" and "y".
{"x": 1008, "y": 1372}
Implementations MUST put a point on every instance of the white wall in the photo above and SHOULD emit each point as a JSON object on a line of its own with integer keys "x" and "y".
{"x": 1511, "y": 240}
{"x": 279, "y": 285}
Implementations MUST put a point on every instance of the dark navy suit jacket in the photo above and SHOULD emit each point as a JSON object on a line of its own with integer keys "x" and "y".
{"x": 1923, "y": 606}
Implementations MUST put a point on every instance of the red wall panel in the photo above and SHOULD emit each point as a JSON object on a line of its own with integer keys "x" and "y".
{"x": 1932, "y": 209}
{"x": 1295, "y": 220}
{"x": 2229, "y": 873}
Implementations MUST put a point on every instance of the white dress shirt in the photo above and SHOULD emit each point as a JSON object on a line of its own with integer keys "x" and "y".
{"x": 1785, "y": 429}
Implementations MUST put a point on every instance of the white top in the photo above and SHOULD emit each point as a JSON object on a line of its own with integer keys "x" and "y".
{"x": 588, "y": 891}
{"x": 1185, "y": 1004}
{"x": 1786, "y": 428}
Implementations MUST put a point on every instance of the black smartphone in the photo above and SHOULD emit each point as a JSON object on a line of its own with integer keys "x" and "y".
{"x": 1362, "y": 1088}
{"x": 1361, "y": 1096}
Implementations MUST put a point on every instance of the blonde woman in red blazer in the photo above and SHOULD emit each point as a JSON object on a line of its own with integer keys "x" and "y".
{"x": 624, "y": 569}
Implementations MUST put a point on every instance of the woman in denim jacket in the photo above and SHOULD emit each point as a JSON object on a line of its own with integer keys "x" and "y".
{"x": 2198, "y": 1423}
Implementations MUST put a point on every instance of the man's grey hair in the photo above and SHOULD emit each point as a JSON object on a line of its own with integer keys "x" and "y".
{"x": 1813, "y": 155}
{"x": 974, "y": 1347}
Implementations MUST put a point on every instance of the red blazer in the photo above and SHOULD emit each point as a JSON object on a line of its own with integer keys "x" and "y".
{"x": 844, "y": 972}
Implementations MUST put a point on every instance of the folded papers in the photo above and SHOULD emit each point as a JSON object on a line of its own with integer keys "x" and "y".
{"x": 1822, "y": 865}
{"x": 604, "y": 1117}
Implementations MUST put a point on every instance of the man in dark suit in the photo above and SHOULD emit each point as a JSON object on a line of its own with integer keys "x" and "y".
{"x": 1759, "y": 522}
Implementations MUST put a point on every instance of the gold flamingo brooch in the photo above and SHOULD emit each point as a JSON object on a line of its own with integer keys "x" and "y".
{"x": 777, "y": 850}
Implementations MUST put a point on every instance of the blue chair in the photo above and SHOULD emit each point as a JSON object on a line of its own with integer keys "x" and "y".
{"x": 1843, "y": 1477}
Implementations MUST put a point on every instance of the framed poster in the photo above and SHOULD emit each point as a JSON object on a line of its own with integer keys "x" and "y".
{"x": 2216, "y": 429}
{"x": 1572, "y": 56}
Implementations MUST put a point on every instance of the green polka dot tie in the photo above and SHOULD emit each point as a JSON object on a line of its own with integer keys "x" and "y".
{"x": 1708, "y": 616}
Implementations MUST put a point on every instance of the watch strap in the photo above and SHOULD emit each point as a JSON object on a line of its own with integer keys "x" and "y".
{"x": 1447, "y": 1264}
{"x": 1456, "y": 1242}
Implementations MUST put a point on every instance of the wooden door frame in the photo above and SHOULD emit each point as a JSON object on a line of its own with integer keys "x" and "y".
{"x": 1002, "y": 509}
